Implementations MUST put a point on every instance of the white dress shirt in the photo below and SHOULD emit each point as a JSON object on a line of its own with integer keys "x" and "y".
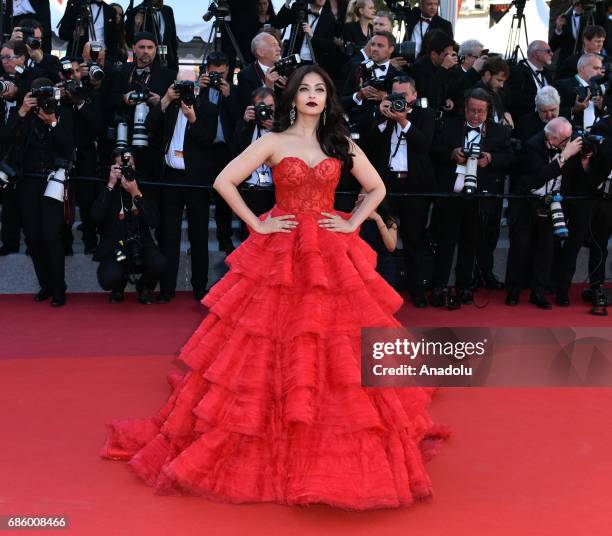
{"x": 174, "y": 156}
{"x": 305, "y": 53}
{"x": 398, "y": 150}
{"x": 23, "y": 7}
{"x": 418, "y": 33}
{"x": 470, "y": 137}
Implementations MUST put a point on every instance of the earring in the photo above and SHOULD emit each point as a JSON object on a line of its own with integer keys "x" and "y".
{"x": 292, "y": 114}
{"x": 324, "y": 115}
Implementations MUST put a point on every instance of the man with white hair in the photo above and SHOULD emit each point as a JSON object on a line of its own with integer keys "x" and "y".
{"x": 551, "y": 160}
{"x": 467, "y": 74}
{"x": 547, "y": 106}
{"x": 527, "y": 77}
{"x": 261, "y": 72}
{"x": 577, "y": 102}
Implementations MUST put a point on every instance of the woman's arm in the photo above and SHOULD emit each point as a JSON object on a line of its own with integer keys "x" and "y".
{"x": 388, "y": 234}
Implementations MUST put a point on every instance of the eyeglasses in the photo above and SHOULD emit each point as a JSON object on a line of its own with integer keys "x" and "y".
{"x": 8, "y": 58}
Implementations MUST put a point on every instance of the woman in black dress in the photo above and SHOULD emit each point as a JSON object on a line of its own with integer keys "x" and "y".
{"x": 358, "y": 27}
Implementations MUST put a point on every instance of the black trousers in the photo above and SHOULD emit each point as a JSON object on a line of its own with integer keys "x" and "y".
{"x": 10, "y": 234}
{"x": 490, "y": 212}
{"x": 259, "y": 201}
{"x": 531, "y": 248}
{"x": 412, "y": 213}
{"x": 456, "y": 225}
{"x": 113, "y": 275}
{"x": 43, "y": 222}
{"x": 578, "y": 217}
{"x": 85, "y": 193}
{"x": 172, "y": 203}
{"x": 601, "y": 229}
{"x": 221, "y": 156}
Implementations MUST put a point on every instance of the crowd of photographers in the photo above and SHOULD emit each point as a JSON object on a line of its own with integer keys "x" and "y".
{"x": 452, "y": 129}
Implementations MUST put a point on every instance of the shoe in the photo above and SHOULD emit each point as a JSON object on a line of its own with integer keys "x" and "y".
{"x": 164, "y": 297}
{"x": 116, "y": 296}
{"x": 7, "y": 251}
{"x": 145, "y": 296}
{"x": 199, "y": 293}
{"x": 437, "y": 298}
{"x": 466, "y": 296}
{"x": 512, "y": 298}
{"x": 492, "y": 283}
{"x": 227, "y": 246}
{"x": 418, "y": 300}
{"x": 539, "y": 300}
{"x": 58, "y": 299}
{"x": 561, "y": 298}
{"x": 42, "y": 295}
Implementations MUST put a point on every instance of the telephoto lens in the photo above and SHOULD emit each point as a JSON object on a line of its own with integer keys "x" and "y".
{"x": 557, "y": 216}
{"x": 470, "y": 183}
{"x": 140, "y": 138}
{"x": 122, "y": 135}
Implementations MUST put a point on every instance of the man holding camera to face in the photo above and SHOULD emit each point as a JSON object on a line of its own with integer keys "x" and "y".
{"x": 41, "y": 132}
{"x": 187, "y": 127}
{"x": 30, "y": 31}
{"x": 399, "y": 148}
{"x": 126, "y": 245}
{"x": 256, "y": 122}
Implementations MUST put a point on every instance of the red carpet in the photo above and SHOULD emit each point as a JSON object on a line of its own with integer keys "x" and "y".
{"x": 521, "y": 461}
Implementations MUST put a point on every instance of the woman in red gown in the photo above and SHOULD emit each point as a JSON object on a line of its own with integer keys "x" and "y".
{"x": 272, "y": 408}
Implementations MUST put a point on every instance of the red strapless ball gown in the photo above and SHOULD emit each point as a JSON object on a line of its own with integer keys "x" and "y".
{"x": 272, "y": 408}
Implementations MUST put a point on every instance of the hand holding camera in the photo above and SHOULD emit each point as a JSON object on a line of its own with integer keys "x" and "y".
{"x": 395, "y": 107}
{"x": 188, "y": 112}
{"x": 458, "y": 156}
{"x": 215, "y": 80}
{"x": 249, "y": 114}
{"x": 450, "y": 61}
{"x": 29, "y": 103}
{"x": 581, "y": 104}
{"x": 114, "y": 175}
{"x": 171, "y": 95}
{"x": 572, "y": 148}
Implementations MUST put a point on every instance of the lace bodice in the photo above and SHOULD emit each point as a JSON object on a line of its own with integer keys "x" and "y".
{"x": 301, "y": 188}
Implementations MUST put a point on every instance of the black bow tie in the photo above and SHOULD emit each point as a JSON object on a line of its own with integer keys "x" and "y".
{"x": 423, "y": 19}
{"x": 314, "y": 14}
{"x": 577, "y": 15}
{"x": 469, "y": 129}
{"x": 381, "y": 67}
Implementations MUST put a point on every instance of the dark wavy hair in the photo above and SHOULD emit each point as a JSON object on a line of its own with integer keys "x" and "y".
{"x": 334, "y": 135}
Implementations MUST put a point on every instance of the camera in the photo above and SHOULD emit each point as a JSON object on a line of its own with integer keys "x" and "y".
{"x": 590, "y": 142}
{"x": 299, "y": 9}
{"x": 218, "y": 9}
{"x": 94, "y": 50}
{"x": 7, "y": 175}
{"x": 557, "y": 216}
{"x": 139, "y": 96}
{"x": 263, "y": 112}
{"x": 131, "y": 248}
{"x": 73, "y": 88}
{"x": 126, "y": 169}
{"x": 96, "y": 72}
{"x": 398, "y": 102}
{"x": 29, "y": 39}
{"x": 472, "y": 152}
{"x": 214, "y": 79}
{"x": 140, "y": 137}
{"x": 187, "y": 91}
{"x": 407, "y": 51}
{"x": 5, "y": 85}
{"x": 369, "y": 79}
{"x": 350, "y": 49}
{"x": 286, "y": 66}
{"x": 47, "y": 98}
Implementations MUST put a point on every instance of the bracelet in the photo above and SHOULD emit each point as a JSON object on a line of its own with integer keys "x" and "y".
{"x": 110, "y": 188}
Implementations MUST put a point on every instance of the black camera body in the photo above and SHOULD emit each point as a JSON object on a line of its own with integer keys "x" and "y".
{"x": 214, "y": 79}
{"x": 398, "y": 102}
{"x": 47, "y": 98}
{"x": 96, "y": 71}
{"x": 472, "y": 150}
{"x": 263, "y": 112}
{"x": 407, "y": 51}
{"x": 218, "y": 9}
{"x": 29, "y": 39}
{"x": 369, "y": 79}
{"x": 8, "y": 176}
{"x": 187, "y": 91}
{"x": 74, "y": 89}
{"x": 286, "y": 66}
{"x": 590, "y": 142}
{"x": 141, "y": 95}
{"x": 126, "y": 170}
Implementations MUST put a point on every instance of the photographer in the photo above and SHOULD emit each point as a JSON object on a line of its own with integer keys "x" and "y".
{"x": 527, "y": 77}
{"x": 460, "y": 145}
{"x": 88, "y": 20}
{"x": 551, "y": 160}
{"x": 188, "y": 127}
{"x": 593, "y": 39}
{"x": 568, "y": 30}
{"x": 579, "y": 103}
{"x": 14, "y": 56}
{"x": 126, "y": 245}
{"x": 423, "y": 19}
{"x": 42, "y": 133}
{"x": 217, "y": 91}
{"x": 399, "y": 148}
{"x": 468, "y": 72}
{"x": 138, "y": 83}
{"x": 257, "y": 122}
{"x": 16, "y": 11}
{"x": 434, "y": 71}
{"x": 154, "y": 17}
{"x": 30, "y": 31}
{"x": 261, "y": 72}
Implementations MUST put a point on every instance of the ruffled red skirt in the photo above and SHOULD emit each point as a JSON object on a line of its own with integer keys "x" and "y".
{"x": 273, "y": 409}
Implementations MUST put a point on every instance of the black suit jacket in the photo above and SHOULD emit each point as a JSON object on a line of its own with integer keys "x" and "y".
{"x": 227, "y": 109}
{"x": 451, "y": 134}
{"x": 521, "y": 90}
{"x": 568, "y": 90}
{"x": 170, "y": 39}
{"x": 421, "y": 176}
{"x": 431, "y": 81}
{"x": 528, "y": 126}
{"x": 68, "y": 23}
{"x": 43, "y": 15}
{"x": 198, "y": 140}
{"x": 437, "y": 23}
{"x": 565, "y": 42}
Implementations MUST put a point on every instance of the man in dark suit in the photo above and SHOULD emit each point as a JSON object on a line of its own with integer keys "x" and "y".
{"x": 458, "y": 220}
{"x": 187, "y": 130}
{"x": 526, "y": 77}
{"x": 568, "y": 30}
{"x": 101, "y": 17}
{"x": 593, "y": 39}
{"x": 367, "y": 86}
{"x": 577, "y": 105}
{"x": 434, "y": 71}
{"x": 315, "y": 37}
{"x": 41, "y": 11}
{"x": 398, "y": 146}
{"x": 47, "y": 63}
{"x": 467, "y": 73}
{"x": 423, "y": 19}
{"x": 550, "y": 161}
{"x": 223, "y": 99}
{"x": 159, "y": 20}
